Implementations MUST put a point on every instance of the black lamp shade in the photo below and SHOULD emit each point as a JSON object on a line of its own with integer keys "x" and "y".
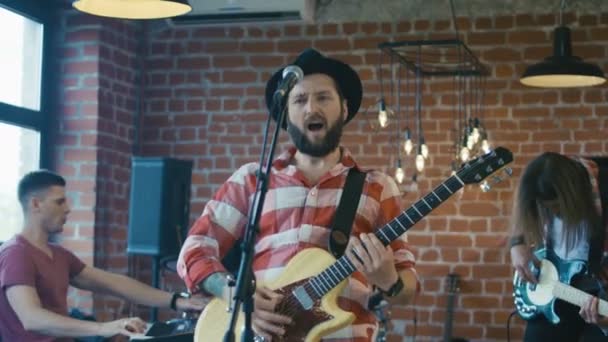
{"x": 562, "y": 70}
{"x": 134, "y": 9}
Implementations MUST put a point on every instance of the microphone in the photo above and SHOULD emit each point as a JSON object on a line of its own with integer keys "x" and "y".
{"x": 291, "y": 75}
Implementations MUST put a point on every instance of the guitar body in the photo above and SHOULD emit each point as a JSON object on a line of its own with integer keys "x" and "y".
{"x": 534, "y": 300}
{"x": 324, "y": 318}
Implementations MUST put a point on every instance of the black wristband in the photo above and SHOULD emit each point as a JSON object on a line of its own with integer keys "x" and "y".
{"x": 394, "y": 289}
{"x": 516, "y": 240}
{"x": 176, "y": 295}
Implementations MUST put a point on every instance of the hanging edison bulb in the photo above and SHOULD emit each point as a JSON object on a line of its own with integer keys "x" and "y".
{"x": 419, "y": 160}
{"x": 465, "y": 152}
{"x": 383, "y": 114}
{"x": 379, "y": 115}
{"x": 408, "y": 146}
{"x": 424, "y": 150}
{"x": 485, "y": 144}
{"x": 399, "y": 173}
{"x": 470, "y": 143}
{"x": 475, "y": 132}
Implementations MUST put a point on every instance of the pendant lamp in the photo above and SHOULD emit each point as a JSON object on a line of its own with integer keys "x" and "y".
{"x": 562, "y": 70}
{"x": 134, "y": 9}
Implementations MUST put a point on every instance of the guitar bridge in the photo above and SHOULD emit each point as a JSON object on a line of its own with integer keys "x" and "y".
{"x": 303, "y": 298}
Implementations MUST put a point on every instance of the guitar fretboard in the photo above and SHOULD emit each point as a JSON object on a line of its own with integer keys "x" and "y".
{"x": 343, "y": 267}
{"x": 578, "y": 297}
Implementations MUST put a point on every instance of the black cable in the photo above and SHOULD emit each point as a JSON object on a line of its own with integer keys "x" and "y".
{"x": 415, "y": 321}
{"x": 509, "y": 325}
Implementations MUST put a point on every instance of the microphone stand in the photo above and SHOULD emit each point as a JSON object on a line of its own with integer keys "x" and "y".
{"x": 245, "y": 281}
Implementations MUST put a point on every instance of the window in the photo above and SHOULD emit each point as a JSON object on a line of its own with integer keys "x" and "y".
{"x": 23, "y": 109}
{"x": 22, "y": 157}
{"x": 21, "y": 60}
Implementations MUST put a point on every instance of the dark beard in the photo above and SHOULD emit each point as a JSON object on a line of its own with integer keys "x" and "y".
{"x": 304, "y": 145}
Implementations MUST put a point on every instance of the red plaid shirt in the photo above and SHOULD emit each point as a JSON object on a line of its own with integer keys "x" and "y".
{"x": 296, "y": 215}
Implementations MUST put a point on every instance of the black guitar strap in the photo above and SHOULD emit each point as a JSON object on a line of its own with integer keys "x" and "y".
{"x": 345, "y": 213}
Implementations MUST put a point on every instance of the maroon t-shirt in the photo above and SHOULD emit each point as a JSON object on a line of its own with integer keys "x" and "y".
{"x": 23, "y": 264}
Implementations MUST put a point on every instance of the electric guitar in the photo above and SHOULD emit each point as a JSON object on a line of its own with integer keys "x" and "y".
{"x": 554, "y": 277}
{"x": 313, "y": 279}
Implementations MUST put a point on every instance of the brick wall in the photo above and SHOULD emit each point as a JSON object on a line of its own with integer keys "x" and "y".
{"x": 203, "y": 101}
{"x": 75, "y": 133}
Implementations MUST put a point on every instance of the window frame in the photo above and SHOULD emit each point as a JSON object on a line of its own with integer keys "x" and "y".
{"x": 41, "y": 12}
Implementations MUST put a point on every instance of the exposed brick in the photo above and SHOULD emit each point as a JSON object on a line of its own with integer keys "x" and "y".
{"x": 504, "y": 22}
{"x": 227, "y": 62}
{"x": 404, "y": 27}
{"x": 257, "y": 47}
{"x": 209, "y": 32}
{"x": 486, "y": 38}
{"x": 422, "y": 25}
{"x": 483, "y": 23}
{"x": 292, "y": 46}
{"x": 82, "y": 35}
{"x": 330, "y": 45}
{"x": 193, "y": 63}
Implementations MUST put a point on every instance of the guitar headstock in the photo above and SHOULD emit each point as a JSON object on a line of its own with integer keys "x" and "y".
{"x": 453, "y": 283}
{"x": 478, "y": 169}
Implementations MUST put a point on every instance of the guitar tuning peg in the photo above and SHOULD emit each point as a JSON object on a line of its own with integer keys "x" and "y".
{"x": 485, "y": 186}
{"x": 496, "y": 179}
{"x": 508, "y": 171}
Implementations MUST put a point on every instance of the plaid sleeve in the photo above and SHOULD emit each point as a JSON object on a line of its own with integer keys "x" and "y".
{"x": 390, "y": 207}
{"x": 217, "y": 229}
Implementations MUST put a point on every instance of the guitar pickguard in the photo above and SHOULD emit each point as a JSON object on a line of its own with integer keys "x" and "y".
{"x": 533, "y": 300}
{"x": 304, "y": 319}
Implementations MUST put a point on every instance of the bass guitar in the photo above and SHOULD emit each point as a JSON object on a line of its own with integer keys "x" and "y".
{"x": 313, "y": 279}
{"x": 554, "y": 278}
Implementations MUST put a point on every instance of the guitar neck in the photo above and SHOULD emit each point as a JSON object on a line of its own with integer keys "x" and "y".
{"x": 343, "y": 267}
{"x": 577, "y": 297}
{"x": 447, "y": 331}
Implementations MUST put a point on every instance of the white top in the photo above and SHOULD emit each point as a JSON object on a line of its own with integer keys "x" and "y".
{"x": 580, "y": 249}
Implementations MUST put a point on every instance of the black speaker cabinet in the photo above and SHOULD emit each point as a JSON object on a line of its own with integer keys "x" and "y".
{"x": 159, "y": 205}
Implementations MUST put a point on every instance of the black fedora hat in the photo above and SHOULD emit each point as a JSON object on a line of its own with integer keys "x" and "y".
{"x": 312, "y": 62}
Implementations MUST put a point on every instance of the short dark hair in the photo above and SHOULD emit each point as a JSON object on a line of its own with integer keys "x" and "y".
{"x": 36, "y": 181}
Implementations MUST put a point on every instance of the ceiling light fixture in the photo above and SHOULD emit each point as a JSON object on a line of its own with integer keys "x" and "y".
{"x": 562, "y": 69}
{"x": 134, "y": 9}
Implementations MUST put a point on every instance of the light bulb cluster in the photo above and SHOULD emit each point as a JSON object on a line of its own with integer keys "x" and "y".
{"x": 474, "y": 140}
{"x": 422, "y": 153}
